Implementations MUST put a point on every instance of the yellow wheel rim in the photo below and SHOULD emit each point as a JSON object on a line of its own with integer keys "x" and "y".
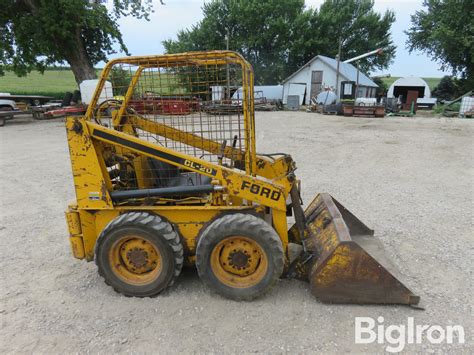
{"x": 239, "y": 262}
{"x": 135, "y": 260}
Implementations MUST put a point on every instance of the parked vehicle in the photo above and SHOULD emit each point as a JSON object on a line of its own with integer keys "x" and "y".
{"x": 7, "y": 110}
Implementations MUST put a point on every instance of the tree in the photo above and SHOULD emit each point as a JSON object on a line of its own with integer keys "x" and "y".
{"x": 279, "y": 36}
{"x": 445, "y": 31}
{"x": 382, "y": 86}
{"x": 38, "y": 33}
{"x": 260, "y": 30}
{"x": 445, "y": 90}
{"x": 355, "y": 23}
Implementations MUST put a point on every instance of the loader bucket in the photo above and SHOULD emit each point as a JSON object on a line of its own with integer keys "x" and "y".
{"x": 348, "y": 264}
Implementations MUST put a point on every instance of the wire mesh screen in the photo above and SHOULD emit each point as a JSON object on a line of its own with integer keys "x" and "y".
{"x": 194, "y": 107}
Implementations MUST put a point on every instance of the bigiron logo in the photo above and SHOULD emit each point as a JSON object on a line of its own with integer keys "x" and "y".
{"x": 260, "y": 190}
{"x": 398, "y": 335}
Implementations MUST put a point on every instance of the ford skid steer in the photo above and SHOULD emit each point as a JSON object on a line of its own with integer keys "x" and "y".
{"x": 166, "y": 173}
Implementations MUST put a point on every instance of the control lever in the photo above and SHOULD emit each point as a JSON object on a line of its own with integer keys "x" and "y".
{"x": 234, "y": 144}
{"x": 221, "y": 156}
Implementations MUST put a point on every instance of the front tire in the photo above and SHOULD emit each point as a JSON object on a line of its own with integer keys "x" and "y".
{"x": 139, "y": 254}
{"x": 239, "y": 256}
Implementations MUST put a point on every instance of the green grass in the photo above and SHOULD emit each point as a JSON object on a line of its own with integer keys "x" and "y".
{"x": 56, "y": 82}
{"x": 432, "y": 82}
{"x": 51, "y": 83}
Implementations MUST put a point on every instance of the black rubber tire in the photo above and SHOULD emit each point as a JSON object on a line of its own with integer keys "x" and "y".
{"x": 240, "y": 225}
{"x": 155, "y": 230}
{"x": 2, "y": 121}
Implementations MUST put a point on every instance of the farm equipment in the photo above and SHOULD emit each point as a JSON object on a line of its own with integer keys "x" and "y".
{"x": 159, "y": 188}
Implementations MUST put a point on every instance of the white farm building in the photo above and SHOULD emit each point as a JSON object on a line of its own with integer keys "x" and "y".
{"x": 411, "y": 83}
{"x": 320, "y": 73}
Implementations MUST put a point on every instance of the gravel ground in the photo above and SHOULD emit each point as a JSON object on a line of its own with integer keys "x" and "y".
{"x": 409, "y": 179}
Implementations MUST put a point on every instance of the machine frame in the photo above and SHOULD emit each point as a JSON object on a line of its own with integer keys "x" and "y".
{"x": 263, "y": 186}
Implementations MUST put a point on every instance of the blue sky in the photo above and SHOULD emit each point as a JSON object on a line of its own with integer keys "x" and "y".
{"x": 143, "y": 37}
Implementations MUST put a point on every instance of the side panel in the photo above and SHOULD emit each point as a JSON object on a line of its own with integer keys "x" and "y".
{"x": 190, "y": 224}
{"x": 188, "y": 220}
{"x": 75, "y": 233}
{"x": 89, "y": 230}
{"x": 91, "y": 189}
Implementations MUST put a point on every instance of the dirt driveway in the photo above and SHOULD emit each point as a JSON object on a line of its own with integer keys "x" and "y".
{"x": 409, "y": 179}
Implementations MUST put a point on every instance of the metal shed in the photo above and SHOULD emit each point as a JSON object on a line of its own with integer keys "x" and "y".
{"x": 320, "y": 73}
{"x": 411, "y": 83}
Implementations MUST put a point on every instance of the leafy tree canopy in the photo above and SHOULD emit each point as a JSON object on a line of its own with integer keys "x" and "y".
{"x": 355, "y": 23}
{"x": 444, "y": 29}
{"x": 449, "y": 88}
{"x": 382, "y": 86}
{"x": 38, "y": 33}
{"x": 446, "y": 89}
{"x": 260, "y": 30}
{"x": 279, "y": 36}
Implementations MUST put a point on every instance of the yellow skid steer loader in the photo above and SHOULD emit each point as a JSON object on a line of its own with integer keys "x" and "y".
{"x": 166, "y": 173}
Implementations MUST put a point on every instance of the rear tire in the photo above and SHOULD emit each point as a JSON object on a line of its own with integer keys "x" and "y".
{"x": 239, "y": 256}
{"x": 139, "y": 254}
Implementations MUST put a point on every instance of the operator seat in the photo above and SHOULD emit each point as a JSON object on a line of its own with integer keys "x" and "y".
{"x": 167, "y": 175}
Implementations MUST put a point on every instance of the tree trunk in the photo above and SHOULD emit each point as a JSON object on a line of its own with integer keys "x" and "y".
{"x": 79, "y": 61}
{"x": 81, "y": 66}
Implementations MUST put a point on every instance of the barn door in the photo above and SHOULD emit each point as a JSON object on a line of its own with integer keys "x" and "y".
{"x": 316, "y": 82}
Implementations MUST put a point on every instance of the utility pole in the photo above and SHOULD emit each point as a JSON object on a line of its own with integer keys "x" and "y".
{"x": 338, "y": 58}
{"x": 227, "y": 65}
{"x": 357, "y": 84}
